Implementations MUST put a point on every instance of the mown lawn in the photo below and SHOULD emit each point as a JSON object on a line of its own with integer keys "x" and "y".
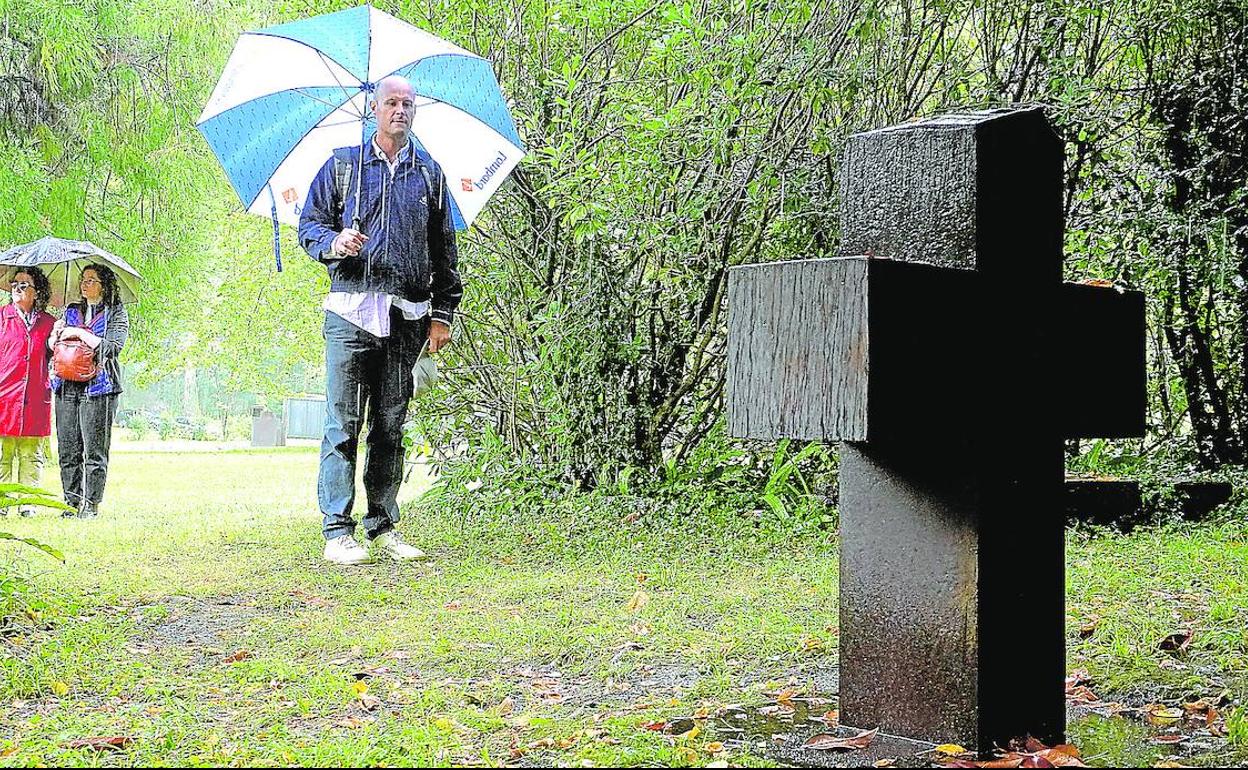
{"x": 196, "y": 620}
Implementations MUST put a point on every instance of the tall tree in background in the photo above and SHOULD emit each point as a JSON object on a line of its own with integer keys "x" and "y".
{"x": 1197, "y": 91}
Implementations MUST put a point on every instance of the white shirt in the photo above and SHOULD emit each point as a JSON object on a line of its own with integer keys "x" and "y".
{"x": 370, "y": 310}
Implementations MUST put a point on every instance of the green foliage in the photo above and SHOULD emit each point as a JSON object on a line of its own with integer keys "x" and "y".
{"x": 666, "y": 144}
{"x": 724, "y": 483}
{"x": 13, "y": 496}
{"x": 14, "y": 588}
{"x": 138, "y": 426}
{"x": 33, "y": 543}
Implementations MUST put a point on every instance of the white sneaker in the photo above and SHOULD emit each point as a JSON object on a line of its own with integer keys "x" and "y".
{"x": 391, "y": 544}
{"x": 346, "y": 550}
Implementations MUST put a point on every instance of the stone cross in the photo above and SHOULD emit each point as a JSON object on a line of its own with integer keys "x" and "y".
{"x": 948, "y": 356}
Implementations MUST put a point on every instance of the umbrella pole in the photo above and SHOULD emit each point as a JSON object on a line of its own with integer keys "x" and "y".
{"x": 277, "y": 232}
{"x": 359, "y": 171}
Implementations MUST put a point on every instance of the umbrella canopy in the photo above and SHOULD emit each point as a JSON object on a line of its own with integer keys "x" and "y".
{"x": 293, "y": 93}
{"x": 62, "y": 260}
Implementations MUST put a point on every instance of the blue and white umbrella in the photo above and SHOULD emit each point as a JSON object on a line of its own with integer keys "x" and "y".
{"x": 292, "y": 93}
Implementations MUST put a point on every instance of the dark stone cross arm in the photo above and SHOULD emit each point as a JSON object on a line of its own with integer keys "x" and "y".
{"x": 952, "y": 361}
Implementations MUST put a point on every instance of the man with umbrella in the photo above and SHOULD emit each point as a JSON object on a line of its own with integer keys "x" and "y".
{"x": 379, "y": 214}
{"x": 378, "y": 217}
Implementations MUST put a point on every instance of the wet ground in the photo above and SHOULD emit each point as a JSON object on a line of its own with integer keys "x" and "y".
{"x": 1121, "y": 735}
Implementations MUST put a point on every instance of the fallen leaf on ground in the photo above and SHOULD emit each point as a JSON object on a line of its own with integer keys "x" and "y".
{"x": 238, "y": 655}
{"x": 810, "y": 644}
{"x": 1167, "y": 740}
{"x": 632, "y": 517}
{"x": 506, "y": 706}
{"x": 832, "y": 718}
{"x": 59, "y": 688}
{"x": 1059, "y": 756}
{"x": 452, "y": 606}
{"x": 359, "y": 688}
{"x": 1010, "y": 760}
{"x": 885, "y": 763}
{"x": 639, "y": 601}
{"x": 950, "y": 749}
{"x": 690, "y": 734}
{"x": 369, "y": 702}
{"x": 778, "y": 710}
{"x": 1082, "y": 694}
{"x": 111, "y": 743}
{"x": 1160, "y": 715}
{"x": 1201, "y": 713}
{"x": 656, "y": 726}
{"x": 714, "y": 747}
{"x": 1077, "y": 678}
{"x": 827, "y": 741}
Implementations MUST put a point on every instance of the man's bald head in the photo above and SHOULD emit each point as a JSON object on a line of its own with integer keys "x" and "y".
{"x": 393, "y": 104}
{"x": 393, "y": 83}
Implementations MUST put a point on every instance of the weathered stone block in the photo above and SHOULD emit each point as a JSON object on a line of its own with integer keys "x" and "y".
{"x": 802, "y": 364}
{"x": 981, "y": 191}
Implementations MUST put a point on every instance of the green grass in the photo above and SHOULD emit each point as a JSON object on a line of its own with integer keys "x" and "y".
{"x": 498, "y": 608}
{"x": 518, "y": 635}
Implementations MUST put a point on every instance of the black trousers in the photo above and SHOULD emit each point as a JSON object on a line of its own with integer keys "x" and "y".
{"x": 84, "y": 433}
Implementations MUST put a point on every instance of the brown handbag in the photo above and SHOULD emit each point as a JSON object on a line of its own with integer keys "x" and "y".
{"x": 74, "y": 360}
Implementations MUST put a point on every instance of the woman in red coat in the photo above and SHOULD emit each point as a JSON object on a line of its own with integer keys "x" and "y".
{"x": 25, "y": 397}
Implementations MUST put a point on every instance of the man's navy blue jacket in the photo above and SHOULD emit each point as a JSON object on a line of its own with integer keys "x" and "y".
{"x": 410, "y": 252}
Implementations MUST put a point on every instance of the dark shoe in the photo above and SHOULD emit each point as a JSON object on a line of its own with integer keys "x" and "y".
{"x": 88, "y": 511}
{"x": 69, "y": 513}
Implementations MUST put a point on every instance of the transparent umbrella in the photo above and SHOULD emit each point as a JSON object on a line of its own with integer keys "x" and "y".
{"x": 62, "y": 260}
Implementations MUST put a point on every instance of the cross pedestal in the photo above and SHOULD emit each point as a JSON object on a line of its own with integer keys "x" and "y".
{"x": 951, "y": 361}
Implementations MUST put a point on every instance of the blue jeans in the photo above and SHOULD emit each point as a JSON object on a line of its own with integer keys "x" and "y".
{"x": 363, "y": 372}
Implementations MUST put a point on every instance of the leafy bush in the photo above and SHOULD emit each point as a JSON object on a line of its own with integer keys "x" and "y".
{"x": 14, "y": 592}
{"x": 138, "y": 426}
{"x": 785, "y": 489}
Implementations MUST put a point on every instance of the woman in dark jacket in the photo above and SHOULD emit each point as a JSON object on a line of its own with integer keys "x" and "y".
{"x": 85, "y": 410}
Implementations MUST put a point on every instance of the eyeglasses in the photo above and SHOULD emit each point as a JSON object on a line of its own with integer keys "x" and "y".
{"x": 88, "y": 281}
{"x": 20, "y": 286}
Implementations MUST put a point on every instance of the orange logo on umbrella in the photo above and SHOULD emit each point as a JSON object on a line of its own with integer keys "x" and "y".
{"x": 290, "y": 195}
{"x": 466, "y": 183}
